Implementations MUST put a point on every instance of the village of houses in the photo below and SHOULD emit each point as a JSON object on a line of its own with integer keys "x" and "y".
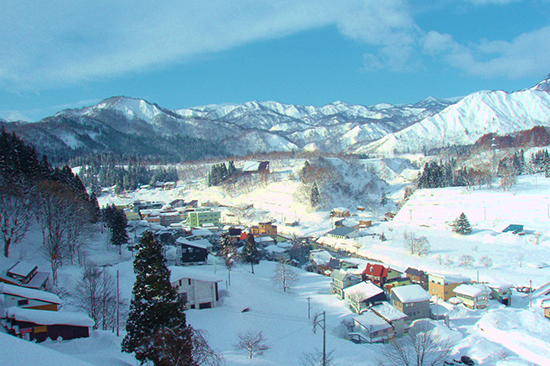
{"x": 385, "y": 300}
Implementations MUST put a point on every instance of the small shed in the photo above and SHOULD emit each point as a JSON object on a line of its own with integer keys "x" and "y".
{"x": 40, "y": 325}
{"x": 514, "y": 229}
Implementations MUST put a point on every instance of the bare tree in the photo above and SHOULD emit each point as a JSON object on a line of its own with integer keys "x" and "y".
{"x": 519, "y": 257}
{"x": 15, "y": 214}
{"x": 416, "y": 245}
{"x": 203, "y": 354}
{"x": 97, "y": 296}
{"x": 420, "y": 347}
{"x": 252, "y": 342}
{"x": 466, "y": 260}
{"x": 316, "y": 358}
{"x": 486, "y": 261}
{"x": 284, "y": 275}
{"x": 56, "y": 209}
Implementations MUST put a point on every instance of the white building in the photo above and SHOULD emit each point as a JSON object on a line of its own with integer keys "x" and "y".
{"x": 196, "y": 288}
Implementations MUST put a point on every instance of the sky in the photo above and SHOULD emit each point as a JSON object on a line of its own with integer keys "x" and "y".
{"x": 63, "y": 54}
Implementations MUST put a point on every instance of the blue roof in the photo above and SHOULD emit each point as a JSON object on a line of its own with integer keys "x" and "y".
{"x": 515, "y": 228}
{"x": 341, "y": 231}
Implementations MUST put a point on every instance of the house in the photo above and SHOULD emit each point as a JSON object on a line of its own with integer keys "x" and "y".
{"x": 395, "y": 282}
{"x": 371, "y": 328}
{"x": 365, "y": 223}
{"x": 343, "y": 232}
{"x": 341, "y": 280}
{"x": 26, "y": 275}
{"x": 417, "y": 276}
{"x": 192, "y": 250}
{"x": 393, "y": 316}
{"x": 346, "y": 223}
{"x": 340, "y": 212}
{"x": 196, "y": 289}
{"x": 38, "y": 325}
{"x": 379, "y": 274}
{"x": 27, "y": 298}
{"x": 363, "y": 294}
{"x": 277, "y": 253}
{"x": 546, "y": 306}
{"x": 198, "y": 216}
{"x": 501, "y": 292}
{"x": 442, "y": 285}
{"x": 473, "y": 296}
{"x": 323, "y": 261}
{"x": 514, "y": 229}
{"x": 251, "y": 167}
{"x": 169, "y": 218}
{"x": 264, "y": 229}
{"x": 412, "y": 300}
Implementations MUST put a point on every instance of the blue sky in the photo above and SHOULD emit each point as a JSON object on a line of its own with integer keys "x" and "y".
{"x": 66, "y": 54}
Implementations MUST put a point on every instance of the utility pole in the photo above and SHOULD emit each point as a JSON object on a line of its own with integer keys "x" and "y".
{"x": 308, "y": 307}
{"x": 117, "y": 307}
{"x": 324, "y": 327}
{"x": 530, "y": 292}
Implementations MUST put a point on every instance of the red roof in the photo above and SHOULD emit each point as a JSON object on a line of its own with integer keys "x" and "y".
{"x": 377, "y": 270}
{"x": 243, "y": 236}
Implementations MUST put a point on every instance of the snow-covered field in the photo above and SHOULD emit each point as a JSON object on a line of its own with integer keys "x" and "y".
{"x": 517, "y": 335}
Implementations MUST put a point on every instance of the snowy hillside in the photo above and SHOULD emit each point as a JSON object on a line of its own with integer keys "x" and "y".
{"x": 503, "y": 336}
{"x": 472, "y": 117}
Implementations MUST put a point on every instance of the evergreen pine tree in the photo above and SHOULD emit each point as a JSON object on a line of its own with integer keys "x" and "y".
{"x": 315, "y": 198}
{"x": 251, "y": 254}
{"x": 119, "y": 235}
{"x": 154, "y": 307}
{"x": 461, "y": 225}
{"x": 383, "y": 199}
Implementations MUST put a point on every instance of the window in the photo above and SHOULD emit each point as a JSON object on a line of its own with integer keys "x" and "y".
{"x": 22, "y": 302}
{"x": 189, "y": 281}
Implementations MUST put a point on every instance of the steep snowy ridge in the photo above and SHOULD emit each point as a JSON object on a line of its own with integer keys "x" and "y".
{"x": 472, "y": 117}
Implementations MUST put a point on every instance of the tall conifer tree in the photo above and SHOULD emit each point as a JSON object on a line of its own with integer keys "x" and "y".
{"x": 251, "y": 254}
{"x": 154, "y": 307}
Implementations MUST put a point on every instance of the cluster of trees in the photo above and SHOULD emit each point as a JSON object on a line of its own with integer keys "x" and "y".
{"x": 124, "y": 172}
{"x": 117, "y": 222}
{"x": 220, "y": 173}
{"x": 441, "y": 175}
{"x": 31, "y": 190}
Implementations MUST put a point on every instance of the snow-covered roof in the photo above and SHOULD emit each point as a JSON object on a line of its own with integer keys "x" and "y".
{"x": 199, "y": 243}
{"x": 371, "y": 321}
{"x": 38, "y": 279}
{"x": 363, "y": 290}
{"x": 411, "y": 293}
{"x": 500, "y": 286}
{"x": 251, "y": 166}
{"x": 201, "y": 232}
{"x": 341, "y": 231}
{"x": 22, "y": 269}
{"x": 451, "y": 278}
{"x": 388, "y": 312}
{"x": 177, "y": 273}
{"x": 45, "y": 317}
{"x": 471, "y": 290}
{"x": 321, "y": 256}
{"x": 275, "y": 249}
{"x": 29, "y": 293}
{"x": 263, "y": 239}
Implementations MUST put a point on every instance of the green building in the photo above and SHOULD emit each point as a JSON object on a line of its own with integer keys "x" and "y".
{"x": 203, "y": 215}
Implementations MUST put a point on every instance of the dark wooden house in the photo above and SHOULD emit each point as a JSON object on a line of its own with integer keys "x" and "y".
{"x": 192, "y": 250}
{"x": 39, "y": 325}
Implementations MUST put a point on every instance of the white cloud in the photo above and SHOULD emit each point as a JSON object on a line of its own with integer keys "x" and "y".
{"x": 525, "y": 56}
{"x": 46, "y": 44}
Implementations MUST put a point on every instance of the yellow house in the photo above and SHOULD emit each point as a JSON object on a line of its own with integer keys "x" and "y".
{"x": 442, "y": 285}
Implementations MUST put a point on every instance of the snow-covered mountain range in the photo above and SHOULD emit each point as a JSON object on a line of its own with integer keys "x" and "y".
{"x": 130, "y": 125}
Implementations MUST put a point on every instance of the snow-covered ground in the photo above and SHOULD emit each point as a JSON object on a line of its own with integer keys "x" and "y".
{"x": 517, "y": 335}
